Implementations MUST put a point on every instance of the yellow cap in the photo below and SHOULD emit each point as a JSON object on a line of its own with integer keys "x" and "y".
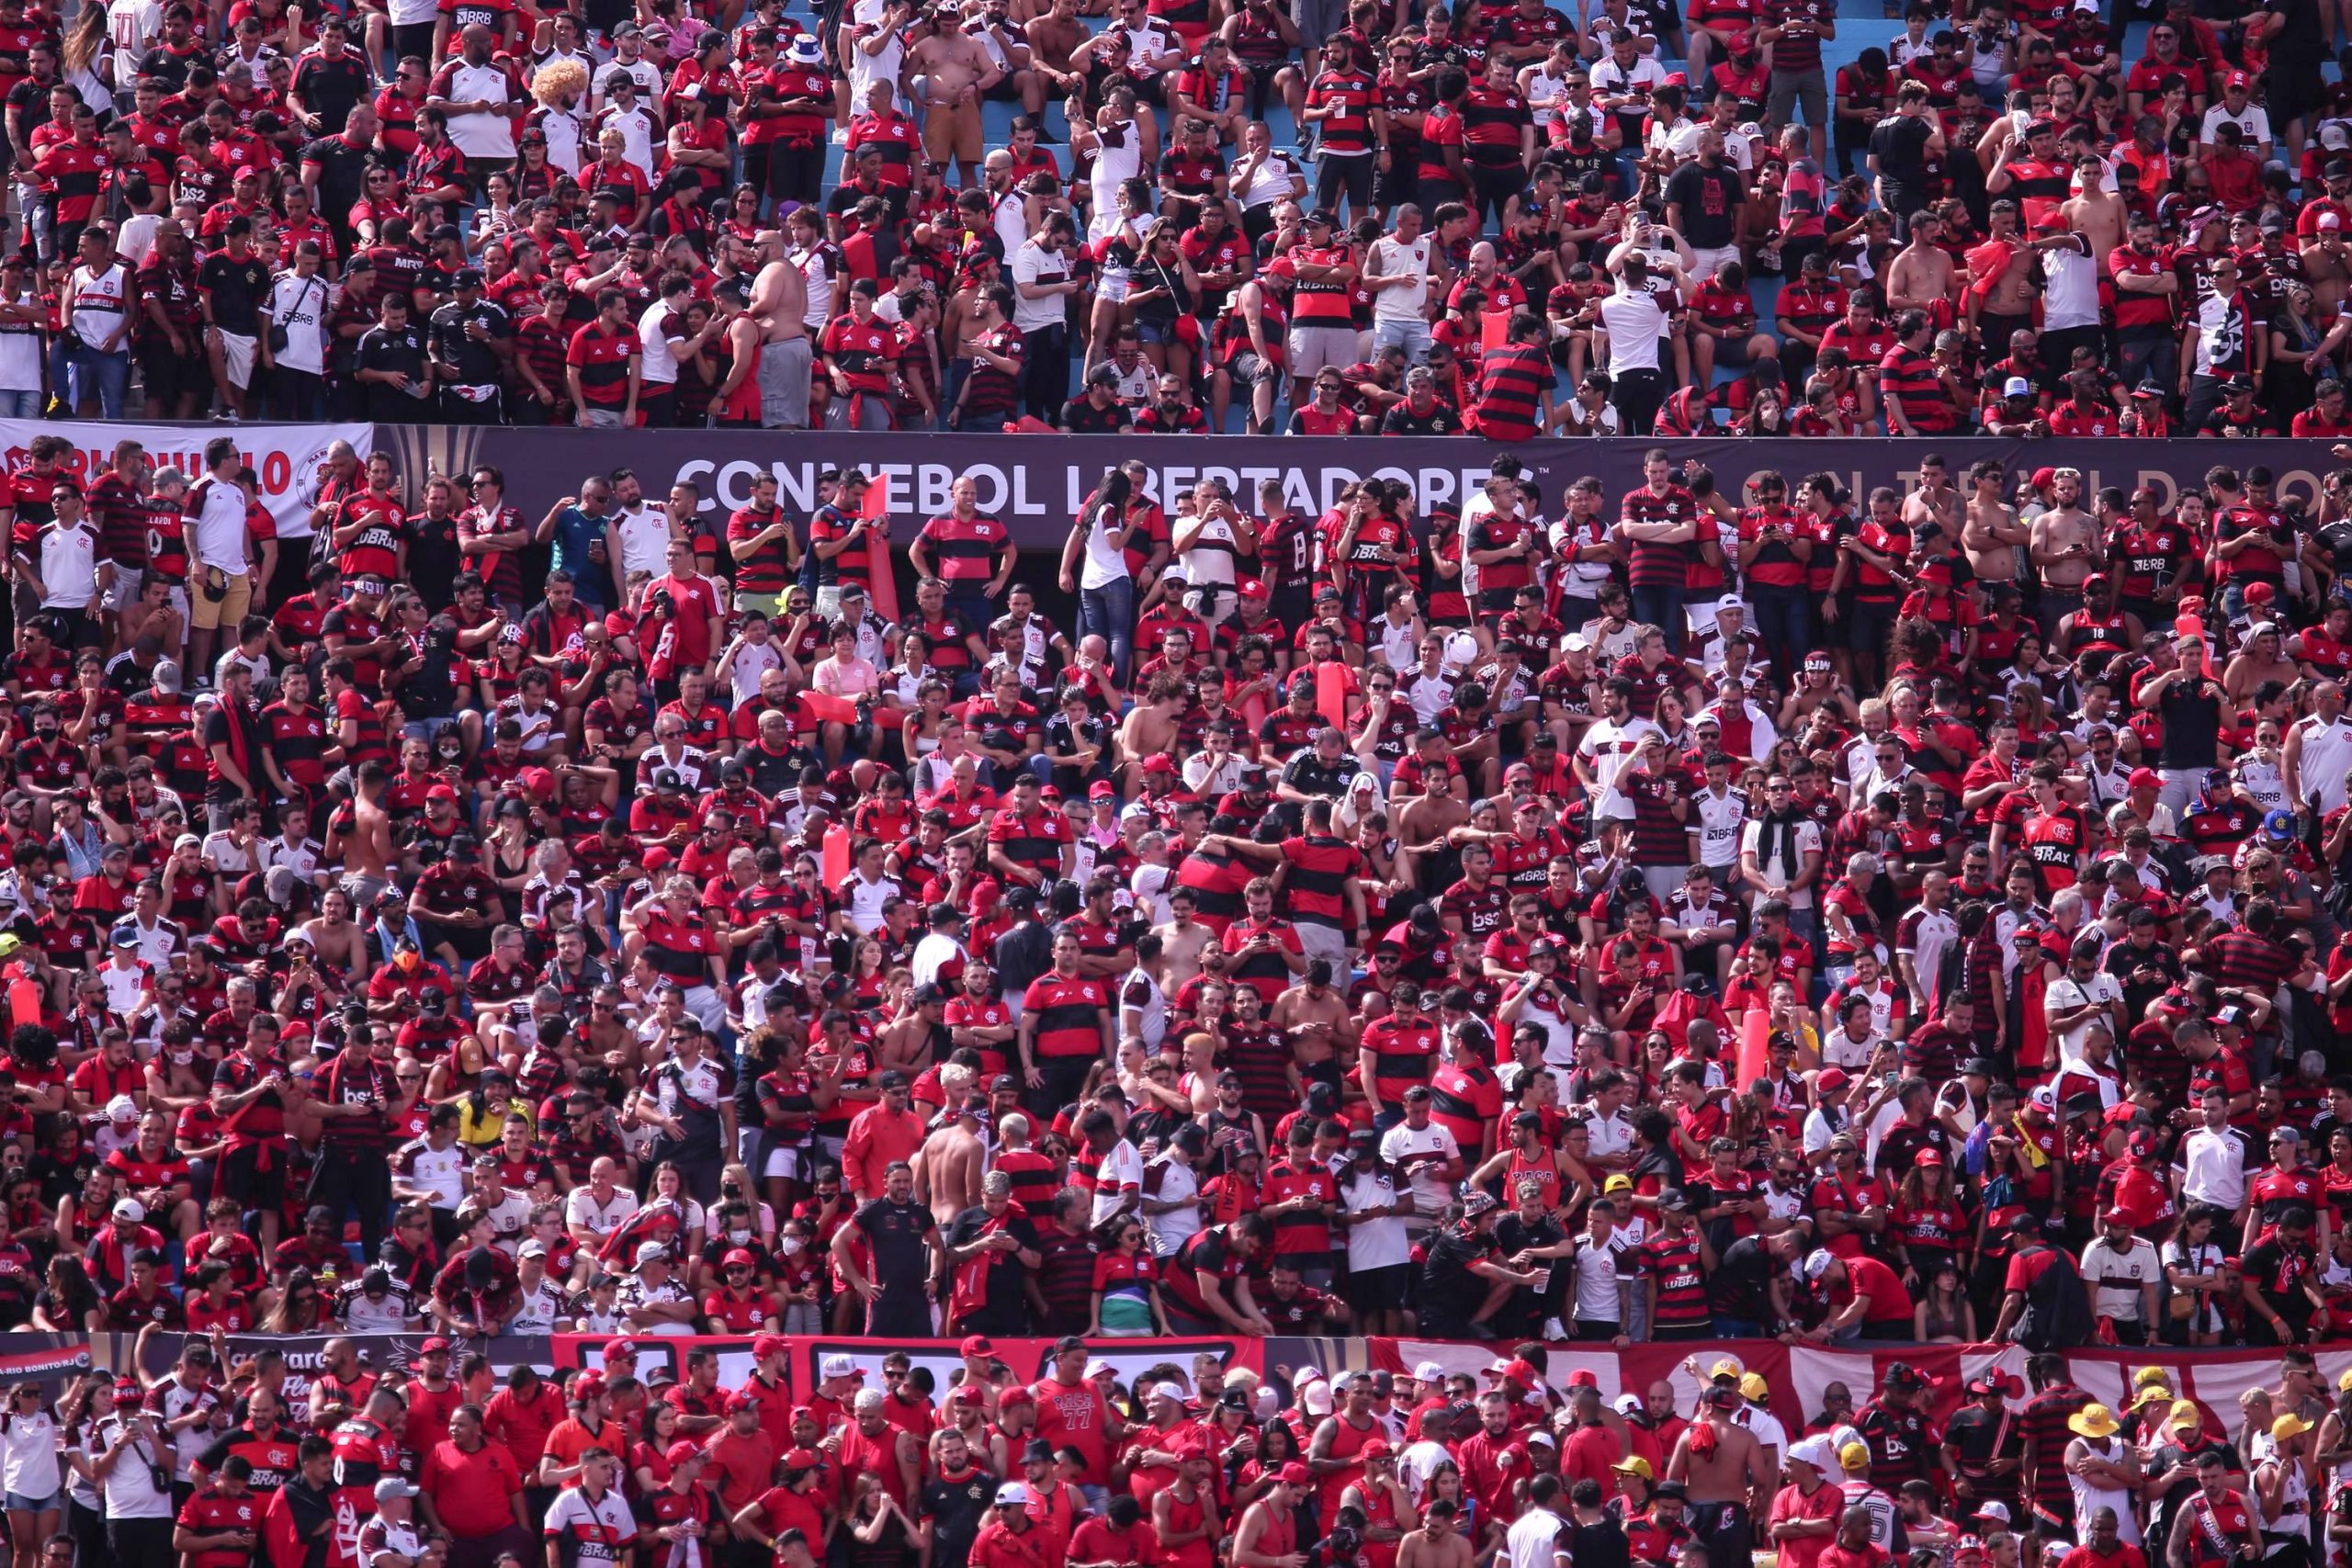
{"x": 2185, "y": 1413}
{"x": 1754, "y": 1387}
{"x": 2150, "y": 1395}
{"x": 2092, "y": 1421}
{"x": 2288, "y": 1425}
{"x": 1725, "y": 1366}
{"x": 1855, "y": 1456}
{"x": 1636, "y": 1465}
{"x": 2147, "y": 1375}
{"x": 1617, "y": 1184}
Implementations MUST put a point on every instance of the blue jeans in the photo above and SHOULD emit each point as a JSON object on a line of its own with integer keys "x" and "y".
{"x": 107, "y": 374}
{"x": 1784, "y": 622}
{"x": 1109, "y": 613}
{"x": 1660, "y": 606}
{"x": 978, "y": 610}
{"x": 20, "y": 405}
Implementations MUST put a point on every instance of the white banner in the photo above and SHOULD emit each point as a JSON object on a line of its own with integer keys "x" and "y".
{"x": 287, "y": 457}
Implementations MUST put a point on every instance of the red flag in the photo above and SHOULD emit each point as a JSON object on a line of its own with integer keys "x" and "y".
{"x": 1332, "y": 693}
{"x": 878, "y": 570}
{"x": 1754, "y": 1029}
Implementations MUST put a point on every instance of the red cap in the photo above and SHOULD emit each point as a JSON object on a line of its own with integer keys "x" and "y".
{"x": 1830, "y": 1078}
{"x": 1292, "y": 1474}
{"x": 657, "y": 858}
{"x": 741, "y": 1400}
{"x": 969, "y": 1394}
{"x": 976, "y": 1345}
{"x": 247, "y": 172}
{"x": 585, "y": 1384}
{"x": 1159, "y": 762}
{"x": 1015, "y": 1395}
{"x": 619, "y": 1350}
{"x": 1937, "y": 573}
{"x": 802, "y": 1459}
{"x": 436, "y": 1346}
{"x": 682, "y": 1450}
{"x": 1738, "y": 40}
{"x": 2144, "y": 778}
{"x": 2236, "y": 79}
{"x": 441, "y": 791}
{"x": 766, "y": 1344}
{"x": 1377, "y": 1449}
{"x": 2045, "y": 477}
{"x": 738, "y": 1256}
{"x": 1103, "y": 789}
{"x": 2262, "y": 592}
{"x": 1250, "y": 587}
{"x": 537, "y": 782}
{"x": 2116, "y": 1216}
{"x": 1928, "y": 1156}
{"x": 1583, "y": 1377}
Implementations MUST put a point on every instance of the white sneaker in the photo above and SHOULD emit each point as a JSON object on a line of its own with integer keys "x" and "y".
{"x": 1553, "y": 1331}
{"x": 841, "y": 136}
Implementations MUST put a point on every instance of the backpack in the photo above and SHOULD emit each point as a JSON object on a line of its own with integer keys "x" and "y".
{"x": 2057, "y": 1309}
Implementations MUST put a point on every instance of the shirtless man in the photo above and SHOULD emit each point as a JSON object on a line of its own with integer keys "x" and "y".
{"x": 779, "y": 301}
{"x": 1423, "y": 825}
{"x": 2008, "y": 304}
{"x": 1991, "y": 535}
{"x": 2098, "y": 214}
{"x": 948, "y": 1166}
{"x": 1921, "y": 276}
{"x": 1052, "y": 36}
{"x": 1151, "y": 726}
{"x": 2065, "y": 544}
{"x": 367, "y": 848}
{"x": 947, "y": 71}
{"x": 1181, "y": 941}
{"x": 1728, "y": 1482}
{"x": 1435, "y": 1544}
{"x": 1935, "y": 501}
{"x": 1315, "y": 1020}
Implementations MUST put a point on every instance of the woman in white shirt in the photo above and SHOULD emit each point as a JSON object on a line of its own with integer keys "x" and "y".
{"x": 844, "y": 674}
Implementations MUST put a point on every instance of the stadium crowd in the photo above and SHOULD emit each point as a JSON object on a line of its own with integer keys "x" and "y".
{"x": 2023, "y": 217}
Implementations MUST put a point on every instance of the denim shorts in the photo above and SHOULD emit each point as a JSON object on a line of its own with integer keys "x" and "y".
{"x": 17, "y": 1503}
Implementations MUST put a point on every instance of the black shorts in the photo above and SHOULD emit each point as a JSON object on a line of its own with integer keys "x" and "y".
{"x": 256, "y": 1189}
{"x": 1869, "y": 628}
{"x": 170, "y": 376}
{"x": 1379, "y": 1289}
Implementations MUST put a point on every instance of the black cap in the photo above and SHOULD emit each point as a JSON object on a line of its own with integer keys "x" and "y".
{"x": 447, "y": 231}
{"x": 467, "y": 277}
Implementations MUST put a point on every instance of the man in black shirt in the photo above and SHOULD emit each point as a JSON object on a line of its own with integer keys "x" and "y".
{"x": 1098, "y": 411}
{"x": 1901, "y": 147}
{"x": 234, "y": 283}
{"x": 329, "y": 82}
{"x": 1742, "y": 1286}
{"x": 334, "y": 170}
{"x": 471, "y": 342}
{"x": 902, "y": 1239}
{"x": 394, "y": 372}
{"x": 959, "y": 1492}
{"x": 1702, "y": 203}
{"x": 2282, "y": 1282}
{"x": 1002, "y": 1245}
{"x": 1422, "y": 413}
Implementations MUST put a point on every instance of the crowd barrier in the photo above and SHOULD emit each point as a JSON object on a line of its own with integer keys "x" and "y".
{"x": 1798, "y": 1376}
{"x": 1035, "y": 483}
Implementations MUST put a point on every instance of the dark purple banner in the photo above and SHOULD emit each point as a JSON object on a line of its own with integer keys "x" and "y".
{"x": 1035, "y": 483}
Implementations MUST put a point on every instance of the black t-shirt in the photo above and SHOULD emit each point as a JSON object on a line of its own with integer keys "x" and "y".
{"x": 342, "y": 177}
{"x": 1899, "y": 143}
{"x": 329, "y": 88}
{"x": 953, "y": 1508}
{"x": 477, "y": 363}
{"x": 1710, "y": 201}
{"x": 1081, "y": 417}
{"x": 2279, "y": 1273}
{"x": 1741, "y": 1284}
{"x": 1005, "y": 1273}
{"x": 2192, "y": 722}
{"x": 1400, "y": 420}
{"x": 1447, "y": 1284}
{"x": 897, "y": 1231}
{"x": 384, "y": 348}
{"x": 237, "y": 288}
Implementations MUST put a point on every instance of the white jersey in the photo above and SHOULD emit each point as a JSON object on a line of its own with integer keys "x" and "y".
{"x": 598, "y": 1534}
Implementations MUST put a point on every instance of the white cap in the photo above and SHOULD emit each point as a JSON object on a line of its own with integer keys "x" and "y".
{"x": 1575, "y": 642}
{"x": 1316, "y": 1399}
{"x": 1816, "y": 1452}
{"x": 129, "y": 1211}
{"x": 2330, "y": 220}
{"x": 1429, "y": 1372}
{"x": 2261, "y": 628}
{"x": 1097, "y": 1367}
{"x": 1167, "y": 1391}
{"x": 533, "y": 1249}
{"x": 1818, "y": 1262}
{"x": 2016, "y": 386}
{"x": 1011, "y": 1495}
{"x": 2046, "y": 1098}
{"x": 1305, "y": 1375}
{"x": 122, "y": 1108}
{"x": 187, "y": 841}
{"x": 838, "y": 1367}
{"x": 1627, "y": 1404}
{"x": 1730, "y": 602}
{"x": 1542, "y": 1435}
{"x": 652, "y": 1252}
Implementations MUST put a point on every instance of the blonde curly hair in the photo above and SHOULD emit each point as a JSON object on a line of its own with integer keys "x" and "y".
{"x": 558, "y": 77}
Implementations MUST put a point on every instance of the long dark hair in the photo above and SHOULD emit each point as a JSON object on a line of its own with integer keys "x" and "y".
{"x": 1114, "y": 490}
